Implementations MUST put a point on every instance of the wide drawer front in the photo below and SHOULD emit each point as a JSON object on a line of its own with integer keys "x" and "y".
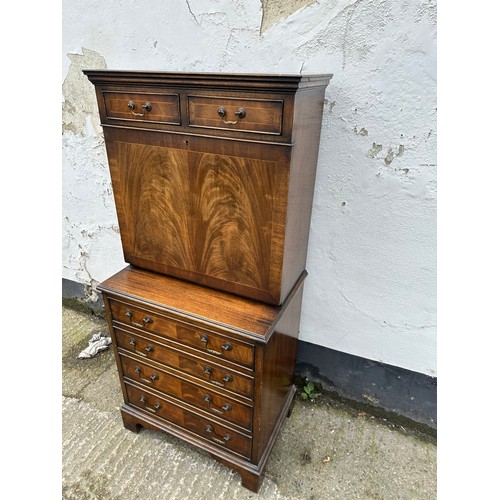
{"x": 142, "y": 107}
{"x": 209, "y": 401}
{"x": 262, "y": 116}
{"x": 205, "y": 428}
{"x": 205, "y": 341}
{"x": 199, "y": 368}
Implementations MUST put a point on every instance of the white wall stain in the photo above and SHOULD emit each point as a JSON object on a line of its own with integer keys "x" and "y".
{"x": 371, "y": 289}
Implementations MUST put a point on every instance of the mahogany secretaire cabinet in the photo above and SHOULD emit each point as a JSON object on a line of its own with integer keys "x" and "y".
{"x": 213, "y": 174}
{"x": 213, "y": 178}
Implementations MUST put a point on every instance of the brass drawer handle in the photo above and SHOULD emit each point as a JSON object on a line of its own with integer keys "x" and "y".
{"x": 146, "y": 320}
{"x": 147, "y": 107}
{"x": 224, "y": 408}
{"x": 221, "y": 440}
{"x": 129, "y": 315}
{"x": 241, "y": 113}
{"x": 149, "y": 348}
{"x": 225, "y": 347}
{"x": 152, "y": 409}
{"x": 226, "y": 379}
{"x": 149, "y": 380}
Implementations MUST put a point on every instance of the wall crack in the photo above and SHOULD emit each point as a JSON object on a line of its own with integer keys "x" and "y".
{"x": 192, "y": 13}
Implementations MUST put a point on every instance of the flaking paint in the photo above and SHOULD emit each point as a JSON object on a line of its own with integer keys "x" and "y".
{"x": 371, "y": 289}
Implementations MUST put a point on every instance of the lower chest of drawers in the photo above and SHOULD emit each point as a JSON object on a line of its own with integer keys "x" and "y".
{"x": 204, "y": 378}
{"x": 187, "y": 392}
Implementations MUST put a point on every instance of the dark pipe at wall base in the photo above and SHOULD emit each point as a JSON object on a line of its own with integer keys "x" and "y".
{"x": 394, "y": 389}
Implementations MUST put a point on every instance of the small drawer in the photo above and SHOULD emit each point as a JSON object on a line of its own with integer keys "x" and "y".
{"x": 205, "y": 341}
{"x": 203, "y": 399}
{"x": 142, "y": 107}
{"x": 216, "y": 375}
{"x": 216, "y": 434}
{"x": 260, "y": 116}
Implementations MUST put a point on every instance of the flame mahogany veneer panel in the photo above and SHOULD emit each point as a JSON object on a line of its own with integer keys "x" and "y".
{"x": 203, "y": 213}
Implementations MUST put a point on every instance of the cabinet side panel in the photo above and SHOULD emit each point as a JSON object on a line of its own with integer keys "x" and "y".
{"x": 277, "y": 374}
{"x": 116, "y": 183}
{"x": 307, "y": 129}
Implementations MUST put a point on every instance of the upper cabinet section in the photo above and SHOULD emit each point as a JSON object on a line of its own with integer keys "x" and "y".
{"x": 213, "y": 174}
{"x": 243, "y": 106}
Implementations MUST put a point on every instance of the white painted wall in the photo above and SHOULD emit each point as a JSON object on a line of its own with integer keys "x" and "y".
{"x": 372, "y": 252}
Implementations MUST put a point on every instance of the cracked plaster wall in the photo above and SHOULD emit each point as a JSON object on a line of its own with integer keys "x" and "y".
{"x": 371, "y": 289}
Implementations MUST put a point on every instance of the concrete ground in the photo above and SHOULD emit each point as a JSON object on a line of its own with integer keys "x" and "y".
{"x": 325, "y": 450}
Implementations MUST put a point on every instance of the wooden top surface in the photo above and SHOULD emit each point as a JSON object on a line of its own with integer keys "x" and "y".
{"x": 196, "y": 303}
{"x": 229, "y": 80}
